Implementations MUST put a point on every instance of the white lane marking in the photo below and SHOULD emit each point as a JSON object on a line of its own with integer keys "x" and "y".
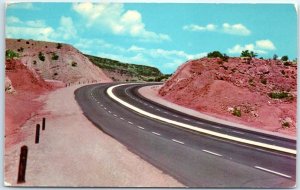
{"x": 121, "y": 118}
{"x": 271, "y": 171}
{"x": 158, "y": 109}
{"x": 101, "y": 105}
{"x": 186, "y": 119}
{"x": 213, "y": 153}
{"x": 266, "y": 138}
{"x": 214, "y": 126}
{"x": 109, "y": 111}
{"x": 98, "y": 102}
{"x": 146, "y": 104}
{"x": 151, "y": 106}
{"x": 155, "y": 133}
{"x": 141, "y": 127}
{"x": 105, "y": 108}
{"x": 166, "y": 112}
{"x": 115, "y": 115}
{"x": 237, "y": 132}
{"x": 199, "y": 122}
{"x": 130, "y": 122}
{"x": 195, "y": 128}
{"x": 174, "y": 115}
{"x": 180, "y": 142}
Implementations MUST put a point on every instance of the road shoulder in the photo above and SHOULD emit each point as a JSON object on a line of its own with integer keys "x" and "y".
{"x": 73, "y": 152}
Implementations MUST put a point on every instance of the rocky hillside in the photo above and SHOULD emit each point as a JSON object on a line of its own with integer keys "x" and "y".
{"x": 256, "y": 92}
{"x": 119, "y": 71}
{"x": 55, "y": 61}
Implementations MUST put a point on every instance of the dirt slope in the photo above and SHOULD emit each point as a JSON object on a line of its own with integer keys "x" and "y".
{"x": 54, "y": 61}
{"x": 258, "y": 93}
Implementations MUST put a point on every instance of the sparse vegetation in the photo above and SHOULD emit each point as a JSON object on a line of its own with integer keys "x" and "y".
{"x": 41, "y": 56}
{"x": 237, "y": 112}
{"x": 10, "y": 54}
{"x": 135, "y": 71}
{"x": 247, "y": 53}
{"x": 215, "y": 54}
{"x": 58, "y": 46}
{"x": 27, "y": 42}
{"x": 251, "y": 82}
{"x": 54, "y": 56}
{"x": 284, "y": 58}
{"x": 21, "y": 49}
{"x": 74, "y": 64}
{"x": 34, "y": 62}
{"x": 279, "y": 95}
{"x": 263, "y": 81}
{"x": 285, "y": 124}
{"x": 55, "y": 74}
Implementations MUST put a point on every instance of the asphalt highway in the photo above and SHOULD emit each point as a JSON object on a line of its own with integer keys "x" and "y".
{"x": 194, "y": 159}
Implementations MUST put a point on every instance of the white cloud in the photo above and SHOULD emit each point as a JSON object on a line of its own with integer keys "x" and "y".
{"x": 265, "y": 44}
{"x": 115, "y": 19}
{"x": 235, "y": 29}
{"x": 194, "y": 27}
{"x": 66, "y": 29}
{"x": 21, "y": 5}
{"x": 260, "y": 47}
{"x": 38, "y": 30}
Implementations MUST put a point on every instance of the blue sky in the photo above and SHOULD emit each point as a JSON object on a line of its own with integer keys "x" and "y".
{"x": 160, "y": 35}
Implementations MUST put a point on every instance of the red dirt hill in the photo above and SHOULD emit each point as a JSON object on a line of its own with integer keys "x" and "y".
{"x": 254, "y": 92}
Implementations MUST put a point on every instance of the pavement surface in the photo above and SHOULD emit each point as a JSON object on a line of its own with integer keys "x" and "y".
{"x": 194, "y": 159}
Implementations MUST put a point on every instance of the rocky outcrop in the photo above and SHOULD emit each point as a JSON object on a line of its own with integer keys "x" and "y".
{"x": 259, "y": 93}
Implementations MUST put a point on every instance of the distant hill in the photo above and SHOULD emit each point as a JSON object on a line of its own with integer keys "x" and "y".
{"x": 55, "y": 61}
{"x": 119, "y": 71}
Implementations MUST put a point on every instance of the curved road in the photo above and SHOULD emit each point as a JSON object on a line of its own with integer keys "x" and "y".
{"x": 195, "y": 159}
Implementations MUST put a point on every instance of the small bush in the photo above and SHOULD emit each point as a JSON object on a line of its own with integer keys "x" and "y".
{"x": 27, "y": 42}
{"x": 282, "y": 72}
{"x": 278, "y": 95}
{"x": 285, "y": 124}
{"x": 74, "y": 64}
{"x": 19, "y": 40}
{"x": 287, "y": 63}
{"x": 251, "y": 82}
{"x": 34, "y": 62}
{"x": 58, "y": 46}
{"x": 55, "y": 74}
{"x": 54, "y": 56}
{"x": 237, "y": 112}
{"x": 41, "y": 56}
{"x": 263, "y": 81}
{"x": 284, "y": 58}
{"x": 21, "y": 49}
{"x": 10, "y": 54}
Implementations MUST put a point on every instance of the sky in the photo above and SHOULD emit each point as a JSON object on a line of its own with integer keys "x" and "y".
{"x": 163, "y": 35}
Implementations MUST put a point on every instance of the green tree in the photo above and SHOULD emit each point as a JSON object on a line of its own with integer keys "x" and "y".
{"x": 284, "y": 58}
{"x": 252, "y": 54}
{"x": 275, "y": 57}
{"x": 10, "y": 54}
{"x": 41, "y": 56}
{"x": 215, "y": 54}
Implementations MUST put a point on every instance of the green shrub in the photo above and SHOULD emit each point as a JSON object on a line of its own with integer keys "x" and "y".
{"x": 10, "y": 54}
{"x": 284, "y": 58}
{"x": 278, "y": 95}
{"x": 275, "y": 57}
{"x": 237, "y": 112}
{"x": 34, "y": 62}
{"x": 74, "y": 64}
{"x": 264, "y": 81}
{"x": 58, "y": 46}
{"x": 54, "y": 56}
{"x": 247, "y": 53}
{"x": 41, "y": 56}
{"x": 215, "y": 54}
{"x": 285, "y": 124}
{"x": 21, "y": 49}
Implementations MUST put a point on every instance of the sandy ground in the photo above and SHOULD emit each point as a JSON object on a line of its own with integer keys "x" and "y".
{"x": 73, "y": 152}
{"x": 151, "y": 93}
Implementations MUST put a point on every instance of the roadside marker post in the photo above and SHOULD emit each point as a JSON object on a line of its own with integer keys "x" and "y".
{"x": 44, "y": 124}
{"x": 22, "y": 164}
{"x": 37, "y": 134}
